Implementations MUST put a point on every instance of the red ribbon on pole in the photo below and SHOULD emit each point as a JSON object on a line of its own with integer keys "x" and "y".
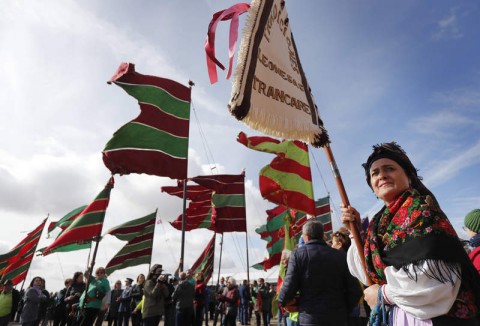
{"x": 231, "y": 13}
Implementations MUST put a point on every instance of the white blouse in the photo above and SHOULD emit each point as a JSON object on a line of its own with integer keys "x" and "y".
{"x": 423, "y": 299}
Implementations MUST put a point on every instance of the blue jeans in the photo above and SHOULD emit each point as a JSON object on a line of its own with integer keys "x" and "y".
{"x": 244, "y": 313}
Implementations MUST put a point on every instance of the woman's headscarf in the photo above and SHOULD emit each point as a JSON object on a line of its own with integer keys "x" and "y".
{"x": 396, "y": 153}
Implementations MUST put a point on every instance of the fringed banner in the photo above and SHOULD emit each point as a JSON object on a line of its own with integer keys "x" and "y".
{"x": 270, "y": 92}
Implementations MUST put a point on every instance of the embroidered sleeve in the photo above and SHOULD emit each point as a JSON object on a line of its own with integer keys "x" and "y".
{"x": 424, "y": 298}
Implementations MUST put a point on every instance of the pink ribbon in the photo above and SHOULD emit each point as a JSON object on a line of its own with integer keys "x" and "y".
{"x": 231, "y": 13}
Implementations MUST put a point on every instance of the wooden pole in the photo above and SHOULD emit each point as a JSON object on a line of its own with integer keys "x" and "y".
{"x": 343, "y": 195}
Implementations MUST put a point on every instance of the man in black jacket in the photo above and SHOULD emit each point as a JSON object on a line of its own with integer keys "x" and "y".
{"x": 327, "y": 290}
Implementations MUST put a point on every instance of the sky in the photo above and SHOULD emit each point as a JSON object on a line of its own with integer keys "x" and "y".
{"x": 380, "y": 71}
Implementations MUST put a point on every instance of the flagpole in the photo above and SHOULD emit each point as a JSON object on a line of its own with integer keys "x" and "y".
{"x": 89, "y": 272}
{"x": 248, "y": 263}
{"x": 343, "y": 195}
{"x": 153, "y": 239}
{"x": 220, "y": 259}
{"x": 182, "y": 251}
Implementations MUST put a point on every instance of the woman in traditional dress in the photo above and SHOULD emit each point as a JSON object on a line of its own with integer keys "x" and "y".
{"x": 413, "y": 255}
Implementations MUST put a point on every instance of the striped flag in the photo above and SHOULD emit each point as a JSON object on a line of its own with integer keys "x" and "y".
{"x": 199, "y": 210}
{"x": 138, "y": 250}
{"x": 287, "y": 180}
{"x": 278, "y": 219}
{"x": 228, "y": 200}
{"x": 274, "y": 231}
{"x": 87, "y": 225}
{"x": 65, "y": 221}
{"x": 16, "y": 267}
{"x": 156, "y": 142}
{"x": 204, "y": 263}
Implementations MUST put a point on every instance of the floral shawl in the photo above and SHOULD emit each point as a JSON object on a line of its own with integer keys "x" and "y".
{"x": 413, "y": 230}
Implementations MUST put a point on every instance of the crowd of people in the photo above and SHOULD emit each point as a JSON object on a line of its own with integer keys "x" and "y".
{"x": 412, "y": 269}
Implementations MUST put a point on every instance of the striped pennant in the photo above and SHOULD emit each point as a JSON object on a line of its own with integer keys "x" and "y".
{"x": 139, "y": 234}
{"x": 17, "y": 266}
{"x": 88, "y": 224}
{"x": 204, "y": 263}
{"x": 156, "y": 142}
{"x": 274, "y": 233}
{"x": 65, "y": 221}
{"x": 287, "y": 180}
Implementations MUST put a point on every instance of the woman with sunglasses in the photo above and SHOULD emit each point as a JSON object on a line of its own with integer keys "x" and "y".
{"x": 97, "y": 289}
{"x": 412, "y": 253}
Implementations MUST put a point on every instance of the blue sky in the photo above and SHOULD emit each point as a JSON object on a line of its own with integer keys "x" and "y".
{"x": 406, "y": 71}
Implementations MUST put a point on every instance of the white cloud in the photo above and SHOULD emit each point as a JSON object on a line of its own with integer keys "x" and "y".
{"x": 444, "y": 170}
{"x": 447, "y": 28}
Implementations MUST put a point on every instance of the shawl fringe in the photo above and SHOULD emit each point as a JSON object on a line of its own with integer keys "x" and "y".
{"x": 436, "y": 269}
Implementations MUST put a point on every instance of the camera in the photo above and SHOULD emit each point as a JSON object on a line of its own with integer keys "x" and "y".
{"x": 163, "y": 278}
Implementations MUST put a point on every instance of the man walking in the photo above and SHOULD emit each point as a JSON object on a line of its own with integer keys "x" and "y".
{"x": 328, "y": 292}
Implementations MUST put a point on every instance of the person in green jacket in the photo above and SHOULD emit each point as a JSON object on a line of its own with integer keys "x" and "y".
{"x": 91, "y": 300}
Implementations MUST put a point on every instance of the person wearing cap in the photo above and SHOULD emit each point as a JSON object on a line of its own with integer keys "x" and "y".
{"x": 125, "y": 300}
{"x": 155, "y": 291}
{"x": 472, "y": 227}
{"x": 9, "y": 299}
{"x": 413, "y": 256}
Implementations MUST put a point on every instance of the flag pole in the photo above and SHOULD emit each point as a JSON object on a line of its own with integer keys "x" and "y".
{"x": 89, "y": 272}
{"x": 153, "y": 239}
{"x": 184, "y": 213}
{"x": 248, "y": 262}
{"x": 343, "y": 195}
{"x": 182, "y": 251}
{"x": 220, "y": 259}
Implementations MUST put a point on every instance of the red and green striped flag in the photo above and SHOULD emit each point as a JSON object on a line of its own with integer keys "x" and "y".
{"x": 63, "y": 224}
{"x": 323, "y": 214}
{"x": 88, "y": 225}
{"x": 228, "y": 201}
{"x": 17, "y": 266}
{"x": 156, "y": 142}
{"x": 65, "y": 221}
{"x": 287, "y": 180}
{"x": 138, "y": 250}
{"x": 199, "y": 210}
{"x": 204, "y": 263}
{"x": 274, "y": 233}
